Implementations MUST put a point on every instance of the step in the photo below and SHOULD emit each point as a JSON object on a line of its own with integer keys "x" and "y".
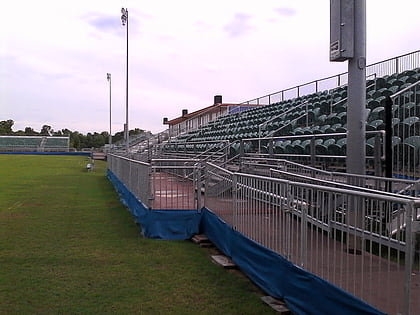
{"x": 202, "y": 240}
{"x": 277, "y": 305}
{"x": 224, "y": 261}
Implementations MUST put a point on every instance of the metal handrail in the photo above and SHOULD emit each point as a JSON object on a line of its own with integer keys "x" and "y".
{"x": 338, "y": 76}
{"x": 404, "y": 90}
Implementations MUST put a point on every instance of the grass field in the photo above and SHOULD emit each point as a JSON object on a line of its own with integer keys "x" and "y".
{"x": 67, "y": 246}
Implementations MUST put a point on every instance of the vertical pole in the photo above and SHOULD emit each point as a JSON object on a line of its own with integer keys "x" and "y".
{"x": 235, "y": 201}
{"x": 356, "y": 121}
{"x": 127, "y": 133}
{"x": 356, "y": 113}
{"x": 388, "y": 141}
{"x": 110, "y": 134}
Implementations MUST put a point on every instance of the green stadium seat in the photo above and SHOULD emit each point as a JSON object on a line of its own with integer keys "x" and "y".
{"x": 409, "y": 127}
{"x": 377, "y": 113}
{"x": 370, "y": 146}
{"x": 294, "y": 147}
{"x": 410, "y": 109}
{"x": 411, "y": 147}
{"x": 321, "y": 148}
{"x": 280, "y": 145}
{"x": 377, "y": 124}
{"x": 332, "y": 119}
{"x": 335, "y": 148}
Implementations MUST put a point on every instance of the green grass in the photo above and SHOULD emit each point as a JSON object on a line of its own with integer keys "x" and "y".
{"x": 68, "y": 246}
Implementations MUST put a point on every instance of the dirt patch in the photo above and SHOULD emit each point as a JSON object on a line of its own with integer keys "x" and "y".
{"x": 12, "y": 215}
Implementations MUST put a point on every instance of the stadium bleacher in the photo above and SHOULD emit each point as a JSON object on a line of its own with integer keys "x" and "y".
{"x": 34, "y": 144}
{"x": 318, "y": 113}
{"x": 290, "y": 124}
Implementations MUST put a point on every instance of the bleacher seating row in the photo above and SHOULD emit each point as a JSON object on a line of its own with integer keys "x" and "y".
{"x": 316, "y": 114}
{"x": 33, "y": 143}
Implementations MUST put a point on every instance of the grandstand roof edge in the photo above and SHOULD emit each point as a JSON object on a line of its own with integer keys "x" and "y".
{"x": 203, "y": 110}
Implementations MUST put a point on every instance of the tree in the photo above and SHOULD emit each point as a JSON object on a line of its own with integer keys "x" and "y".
{"x": 6, "y": 127}
{"x": 29, "y": 131}
{"x": 46, "y": 130}
{"x": 75, "y": 140}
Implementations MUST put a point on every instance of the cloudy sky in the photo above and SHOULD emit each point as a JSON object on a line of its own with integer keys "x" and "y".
{"x": 54, "y": 55}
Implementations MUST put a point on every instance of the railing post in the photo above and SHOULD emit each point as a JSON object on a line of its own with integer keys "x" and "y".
{"x": 377, "y": 156}
{"x": 206, "y": 183}
{"x": 409, "y": 255}
{"x": 303, "y": 233}
{"x": 388, "y": 139}
{"x": 312, "y": 151}
{"x": 235, "y": 201}
{"x": 270, "y": 148}
{"x": 197, "y": 185}
{"x": 289, "y": 219}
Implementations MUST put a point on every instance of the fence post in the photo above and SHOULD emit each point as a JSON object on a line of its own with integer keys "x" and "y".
{"x": 206, "y": 182}
{"x": 235, "y": 201}
{"x": 303, "y": 232}
{"x": 388, "y": 140}
{"x": 312, "y": 151}
{"x": 377, "y": 156}
{"x": 409, "y": 254}
{"x": 289, "y": 218}
{"x": 197, "y": 184}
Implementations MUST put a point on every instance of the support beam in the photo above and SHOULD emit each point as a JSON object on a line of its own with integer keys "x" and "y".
{"x": 356, "y": 109}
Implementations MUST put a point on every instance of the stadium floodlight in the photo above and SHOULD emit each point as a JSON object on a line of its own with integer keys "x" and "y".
{"x": 108, "y": 77}
{"x": 124, "y": 16}
{"x": 124, "y": 21}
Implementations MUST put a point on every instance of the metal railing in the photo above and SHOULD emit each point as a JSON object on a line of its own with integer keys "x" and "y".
{"x": 406, "y": 132}
{"x": 386, "y": 67}
{"x": 264, "y": 166}
{"x": 134, "y": 175}
{"x": 361, "y": 239}
{"x": 162, "y": 183}
{"x": 311, "y": 156}
{"x": 340, "y": 234}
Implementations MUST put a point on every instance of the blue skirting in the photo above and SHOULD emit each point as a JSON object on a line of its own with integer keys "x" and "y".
{"x": 303, "y": 292}
{"x": 158, "y": 224}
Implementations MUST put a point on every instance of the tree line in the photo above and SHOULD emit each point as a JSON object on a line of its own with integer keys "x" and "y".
{"x": 77, "y": 140}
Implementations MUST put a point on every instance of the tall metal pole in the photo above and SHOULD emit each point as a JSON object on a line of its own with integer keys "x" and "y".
{"x": 348, "y": 42}
{"x": 356, "y": 110}
{"x": 108, "y": 76}
{"x": 124, "y": 19}
{"x": 356, "y": 122}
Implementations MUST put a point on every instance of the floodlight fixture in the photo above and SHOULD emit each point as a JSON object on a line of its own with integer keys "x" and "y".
{"x": 124, "y": 16}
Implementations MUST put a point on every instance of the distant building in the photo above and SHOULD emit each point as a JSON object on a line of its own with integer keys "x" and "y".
{"x": 191, "y": 121}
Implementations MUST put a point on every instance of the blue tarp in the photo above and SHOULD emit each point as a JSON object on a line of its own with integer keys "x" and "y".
{"x": 159, "y": 224}
{"x": 303, "y": 292}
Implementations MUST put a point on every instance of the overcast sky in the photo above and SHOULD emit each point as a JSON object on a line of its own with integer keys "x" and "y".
{"x": 54, "y": 55}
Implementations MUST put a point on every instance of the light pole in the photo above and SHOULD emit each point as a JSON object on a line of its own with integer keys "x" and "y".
{"x": 124, "y": 21}
{"x": 108, "y": 77}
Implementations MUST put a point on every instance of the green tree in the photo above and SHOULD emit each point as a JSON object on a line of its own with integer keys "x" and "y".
{"x": 45, "y": 130}
{"x": 6, "y": 127}
{"x": 30, "y": 131}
